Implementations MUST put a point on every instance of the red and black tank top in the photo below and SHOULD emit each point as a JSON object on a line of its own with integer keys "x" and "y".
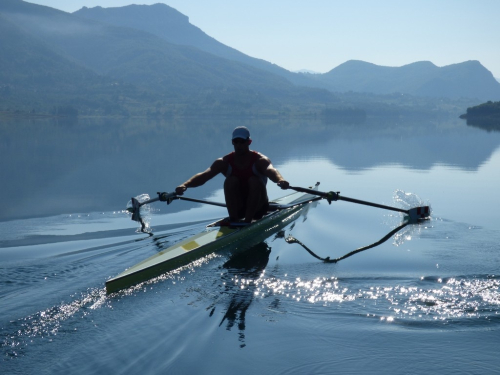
{"x": 244, "y": 174}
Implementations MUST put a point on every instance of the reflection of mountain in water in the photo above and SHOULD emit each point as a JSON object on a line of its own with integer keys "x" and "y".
{"x": 50, "y": 167}
{"x": 414, "y": 145}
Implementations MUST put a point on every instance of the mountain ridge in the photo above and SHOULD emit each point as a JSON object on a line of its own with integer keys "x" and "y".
{"x": 422, "y": 78}
{"x": 418, "y": 78}
{"x": 33, "y": 76}
{"x": 135, "y": 64}
{"x": 136, "y": 56}
{"x": 180, "y": 32}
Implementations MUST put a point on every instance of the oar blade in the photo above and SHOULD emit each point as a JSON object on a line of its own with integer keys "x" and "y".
{"x": 136, "y": 210}
{"x": 419, "y": 213}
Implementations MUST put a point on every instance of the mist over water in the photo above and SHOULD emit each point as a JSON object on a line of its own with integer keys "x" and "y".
{"x": 64, "y": 231}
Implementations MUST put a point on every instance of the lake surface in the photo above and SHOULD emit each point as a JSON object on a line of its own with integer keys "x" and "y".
{"x": 427, "y": 300}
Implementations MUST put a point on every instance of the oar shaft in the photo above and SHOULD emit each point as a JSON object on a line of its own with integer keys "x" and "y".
{"x": 310, "y": 191}
{"x": 174, "y": 196}
{"x": 200, "y": 201}
{"x": 156, "y": 199}
{"x": 352, "y": 200}
{"x": 337, "y": 196}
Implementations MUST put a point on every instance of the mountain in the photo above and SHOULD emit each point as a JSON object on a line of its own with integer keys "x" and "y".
{"x": 174, "y": 27}
{"x": 161, "y": 71}
{"x": 33, "y": 77}
{"x": 149, "y": 60}
{"x": 27, "y": 61}
{"x": 133, "y": 55}
{"x": 467, "y": 79}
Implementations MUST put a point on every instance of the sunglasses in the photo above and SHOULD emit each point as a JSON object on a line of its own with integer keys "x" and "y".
{"x": 237, "y": 141}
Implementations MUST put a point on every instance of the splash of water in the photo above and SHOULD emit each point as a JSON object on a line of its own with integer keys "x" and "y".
{"x": 145, "y": 211}
{"x": 408, "y": 200}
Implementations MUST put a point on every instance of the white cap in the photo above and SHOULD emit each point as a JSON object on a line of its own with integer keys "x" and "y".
{"x": 241, "y": 132}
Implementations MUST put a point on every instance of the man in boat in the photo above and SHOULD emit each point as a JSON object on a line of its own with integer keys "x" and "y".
{"x": 246, "y": 173}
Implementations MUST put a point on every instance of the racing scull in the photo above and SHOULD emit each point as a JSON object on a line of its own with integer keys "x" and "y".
{"x": 217, "y": 236}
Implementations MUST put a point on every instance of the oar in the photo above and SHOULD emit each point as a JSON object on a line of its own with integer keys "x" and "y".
{"x": 415, "y": 214}
{"x": 136, "y": 206}
{"x": 200, "y": 201}
{"x": 164, "y": 197}
{"x": 169, "y": 197}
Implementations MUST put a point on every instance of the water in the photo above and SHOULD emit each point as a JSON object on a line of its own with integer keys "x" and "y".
{"x": 425, "y": 301}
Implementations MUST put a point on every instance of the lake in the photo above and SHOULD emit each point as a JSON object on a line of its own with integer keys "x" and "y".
{"x": 427, "y": 300}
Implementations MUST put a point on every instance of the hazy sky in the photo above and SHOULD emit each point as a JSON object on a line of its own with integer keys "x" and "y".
{"x": 319, "y": 35}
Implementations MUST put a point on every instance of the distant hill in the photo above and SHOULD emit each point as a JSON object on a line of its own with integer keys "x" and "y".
{"x": 149, "y": 60}
{"x": 133, "y": 55}
{"x": 34, "y": 77}
{"x": 172, "y": 73}
{"x": 489, "y": 109}
{"x": 27, "y": 61}
{"x": 467, "y": 79}
{"x": 486, "y": 116}
{"x": 174, "y": 27}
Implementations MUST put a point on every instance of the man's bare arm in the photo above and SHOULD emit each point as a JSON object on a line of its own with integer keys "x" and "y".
{"x": 202, "y": 177}
{"x": 265, "y": 167}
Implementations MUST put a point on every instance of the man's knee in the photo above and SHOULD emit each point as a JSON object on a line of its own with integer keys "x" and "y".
{"x": 256, "y": 184}
{"x": 257, "y": 191}
{"x": 231, "y": 183}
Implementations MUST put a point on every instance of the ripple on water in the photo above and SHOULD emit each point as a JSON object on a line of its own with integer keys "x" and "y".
{"x": 48, "y": 323}
{"x": 465, "y": 300}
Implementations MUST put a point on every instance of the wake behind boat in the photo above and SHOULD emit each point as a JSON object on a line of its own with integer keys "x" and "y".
{"x": 217, "y": 236}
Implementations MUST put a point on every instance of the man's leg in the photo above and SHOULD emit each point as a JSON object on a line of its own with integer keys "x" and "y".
{"x": 234, "y": 197}
{"x": 257, "y": 197}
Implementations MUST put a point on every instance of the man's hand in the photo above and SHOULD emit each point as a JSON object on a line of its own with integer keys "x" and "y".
{"x": 179, "y": 190}
{"x": 283, "y": 184}
{"x": 163, "y": 196}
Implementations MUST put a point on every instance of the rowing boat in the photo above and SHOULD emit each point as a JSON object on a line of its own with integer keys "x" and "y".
{"x": 217, "y": 236}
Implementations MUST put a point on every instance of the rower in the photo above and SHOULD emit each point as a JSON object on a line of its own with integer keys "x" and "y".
{"x": 246, "y": 173}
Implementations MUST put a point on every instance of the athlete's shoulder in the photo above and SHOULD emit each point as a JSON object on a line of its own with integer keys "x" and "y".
{"x": 220, "y": 164}
{"x": 262, "y": 162}
{"x": 259, "y": 155}
{"x": 228, "y": 157}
